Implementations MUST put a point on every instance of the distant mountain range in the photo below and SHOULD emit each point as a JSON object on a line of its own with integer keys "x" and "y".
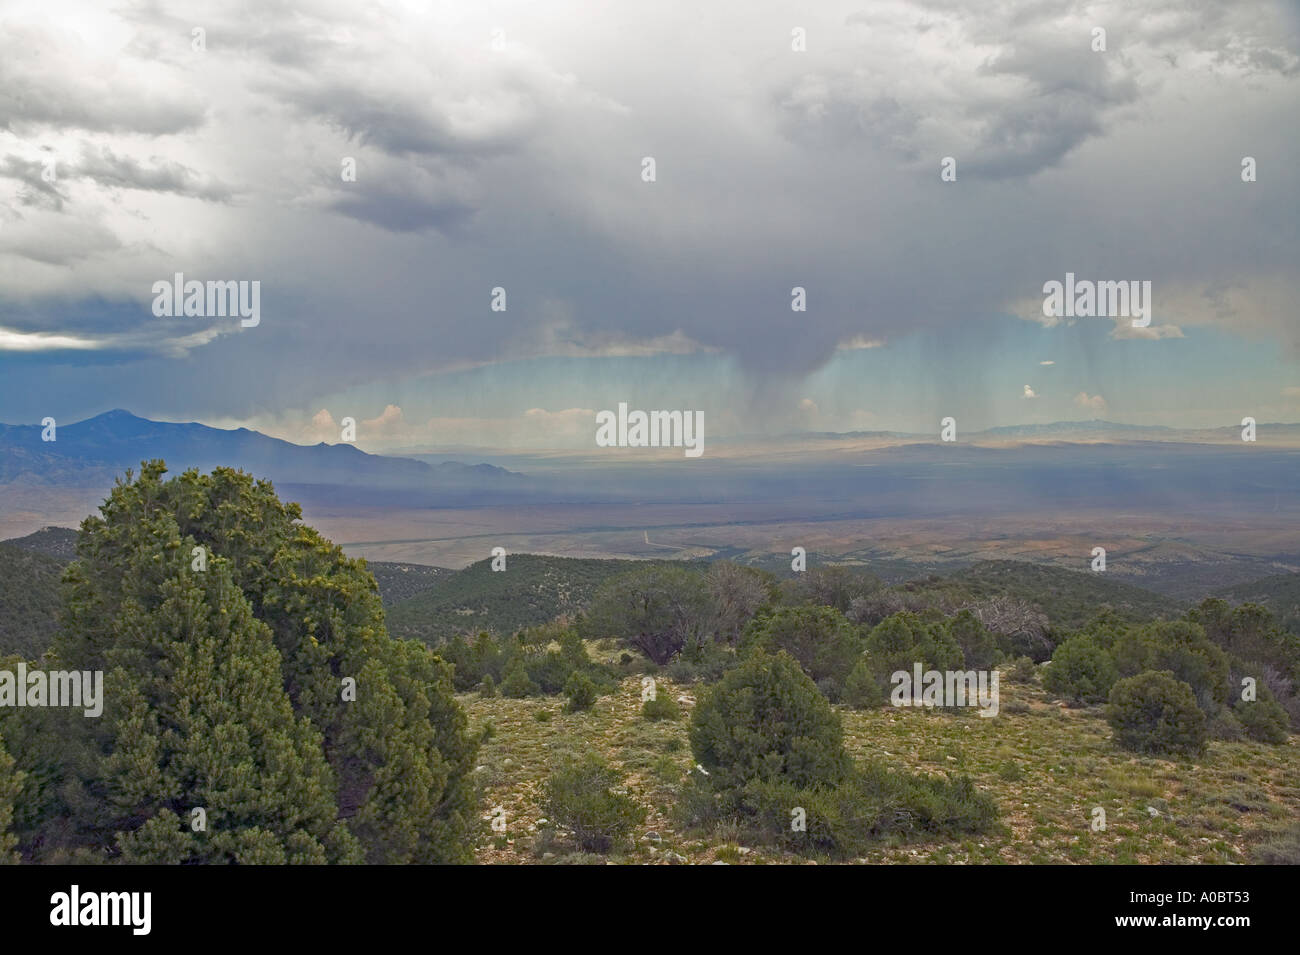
{"x": 1085, "y": 431}
{"x": 93, "y": 451}
{"x": 1273, "y": 433}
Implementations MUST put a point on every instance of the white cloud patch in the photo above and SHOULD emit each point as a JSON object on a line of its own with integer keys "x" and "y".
{"x": 1094, "y": 403}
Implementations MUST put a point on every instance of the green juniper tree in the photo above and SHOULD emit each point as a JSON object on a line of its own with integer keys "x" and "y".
{"x": 226, "y": 690}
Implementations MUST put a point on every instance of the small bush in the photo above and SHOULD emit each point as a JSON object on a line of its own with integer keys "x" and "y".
{"x": 581, "y": 691}
{"x": 666, "y": 770}
{"x": 488, "y": 689}
{"x": 549, "y": 670}
{"x": 662, "y": 707}
{"x": 517, "y": 685}
{"x": 1021, "y": 670}
{"x": 900, "y": 641}
{"x": 1282, "y": 849}
{"x": 701, "y": 662}
{"x": 872, "y": 803}
{"x": 579, "y": 799}
{"x": 542, "y": 716}
{"x": 773, "y": 754}
{"x": 1263, "y": 719}
{"x": 1154, "y": 713}
{"x": 862, "y": 689}
{"x": 1224, "y": 725}
{"x": 1081, "y": 671}
{"x": 766, "y": 720}
{"x": 1010, "y": 771}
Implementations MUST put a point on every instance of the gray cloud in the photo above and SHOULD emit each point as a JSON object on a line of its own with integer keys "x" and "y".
{"x": 57, "y": 79}
{"x": 521, "y": 168}
{"x": 402, "y": 212}
{"x": 106, "y": 168}
{"x": 37, "y": 190}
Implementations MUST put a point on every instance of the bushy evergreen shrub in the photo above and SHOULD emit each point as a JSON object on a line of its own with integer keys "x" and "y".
{"x": 862, "y": 689}
{"x": 1021, "y": 670}
{"x": 1157, "y": 714}
{"x": 871, "y": 803}
{"x": 1080, "y": 671}
{"x": 662, "y": 707}
{"x": 1181, "y": 648}
{"x": 517, "y": 684}
{"x": 581, "y": 692}
{"x": 820, "y": 639}
{"x": 900, "y": 641}
{"x": 772, "y": 763}
{"x": 580, "y": 799}
{"x": 766, "y": 720}
{"x": 1263, "y": 719}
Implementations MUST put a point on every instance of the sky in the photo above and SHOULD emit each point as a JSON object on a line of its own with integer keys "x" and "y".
{"x": 503, "y": 145}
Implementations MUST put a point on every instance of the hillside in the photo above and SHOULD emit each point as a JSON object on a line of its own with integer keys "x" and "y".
{"x": 532, "y": 590}
{"x": 398, "y": 582}
{"x": 29, "y": 599}
{"x": 57, "y": 542}
{"x": 1070, "y": 598}
{"x": 535, "y": 589}
{"x": 1280, "y": 594}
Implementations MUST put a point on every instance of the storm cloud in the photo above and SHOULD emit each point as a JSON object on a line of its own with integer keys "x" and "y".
{"x": 507, "y": 152}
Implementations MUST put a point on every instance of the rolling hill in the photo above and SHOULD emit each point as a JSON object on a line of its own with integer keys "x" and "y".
{"x": 532, "y": 590}
{"x": 1070, "y": 598}
{"x": 1279, "y": 593}
{"x": 57, "y": 542}
{"x": 398, "y": 581}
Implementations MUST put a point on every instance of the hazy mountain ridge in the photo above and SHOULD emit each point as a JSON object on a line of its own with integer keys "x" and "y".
{"x": 99, "y": 448}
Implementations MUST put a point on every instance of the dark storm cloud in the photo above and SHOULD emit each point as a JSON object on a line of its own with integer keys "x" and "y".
{"x": 520, "y": 167}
